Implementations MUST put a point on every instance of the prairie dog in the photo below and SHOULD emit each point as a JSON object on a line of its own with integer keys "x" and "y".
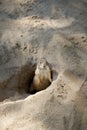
{"x": 43, "y": 76}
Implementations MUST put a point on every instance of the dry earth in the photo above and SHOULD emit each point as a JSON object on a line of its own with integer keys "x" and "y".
{"x": 56, "y": 30}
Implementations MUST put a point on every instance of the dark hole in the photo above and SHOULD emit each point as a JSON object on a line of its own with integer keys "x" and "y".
{"x": 33, "y": 91}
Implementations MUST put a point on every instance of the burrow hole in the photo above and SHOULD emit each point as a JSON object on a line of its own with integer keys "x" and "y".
{"x": 19, "y": 83}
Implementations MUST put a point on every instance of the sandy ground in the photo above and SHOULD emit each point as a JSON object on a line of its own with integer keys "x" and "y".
{"x": 56, "y": 30}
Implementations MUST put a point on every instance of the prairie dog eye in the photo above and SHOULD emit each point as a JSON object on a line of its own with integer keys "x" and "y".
{"x": 40, "y": 62}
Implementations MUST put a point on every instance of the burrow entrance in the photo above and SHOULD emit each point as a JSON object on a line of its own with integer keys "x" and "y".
{"x": 18, "y": 83}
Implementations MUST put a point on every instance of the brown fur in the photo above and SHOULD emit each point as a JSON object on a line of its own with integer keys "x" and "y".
{"x": 43, "y": 76}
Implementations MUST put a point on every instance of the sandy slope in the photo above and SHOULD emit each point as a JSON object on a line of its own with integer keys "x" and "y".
{"x": 57, "y": 30}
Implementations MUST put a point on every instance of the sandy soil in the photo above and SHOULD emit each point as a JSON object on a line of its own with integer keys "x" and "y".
{"x": 56, "y": 30}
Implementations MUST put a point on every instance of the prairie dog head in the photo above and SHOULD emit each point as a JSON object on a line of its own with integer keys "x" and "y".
{"x": 42, "y": 64}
